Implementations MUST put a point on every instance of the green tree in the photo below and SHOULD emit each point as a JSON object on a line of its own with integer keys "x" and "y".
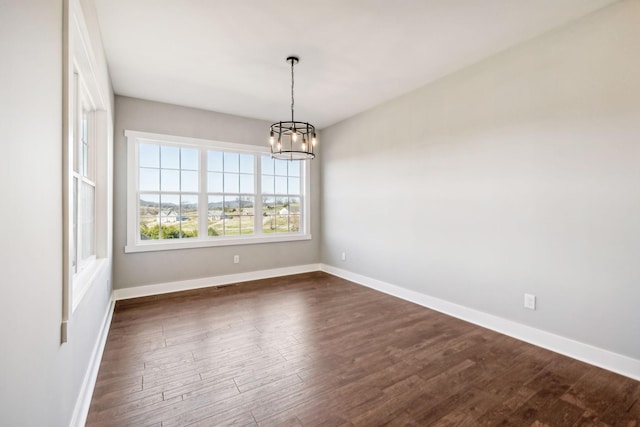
{"x": 168, "y": 232}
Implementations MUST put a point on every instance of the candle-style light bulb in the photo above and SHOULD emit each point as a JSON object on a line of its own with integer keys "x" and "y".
{"x": 294, "y": 136}
{"x": 314, "y": 140}
{"x": 272, "y": 138}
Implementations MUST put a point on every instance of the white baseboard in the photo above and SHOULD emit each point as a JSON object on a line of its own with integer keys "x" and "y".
{"x": 605, "y": 359}
{"x": 205, "y": 282}
{"x": 81, "y": 409}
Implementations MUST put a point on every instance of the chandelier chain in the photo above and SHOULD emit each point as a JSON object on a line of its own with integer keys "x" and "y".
{"x": 292, "y": 99}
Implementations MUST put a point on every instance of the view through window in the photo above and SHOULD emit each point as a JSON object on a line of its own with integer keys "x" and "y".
{"x": 201, "y": 192}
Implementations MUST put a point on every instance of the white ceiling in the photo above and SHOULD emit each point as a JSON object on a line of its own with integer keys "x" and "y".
{"x": 229, "y": 56}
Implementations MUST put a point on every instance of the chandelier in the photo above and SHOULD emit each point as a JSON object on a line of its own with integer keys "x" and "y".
{"x": 292, "y": 140}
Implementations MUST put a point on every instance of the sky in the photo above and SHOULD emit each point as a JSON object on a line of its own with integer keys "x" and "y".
{"x": 175, "y": 169}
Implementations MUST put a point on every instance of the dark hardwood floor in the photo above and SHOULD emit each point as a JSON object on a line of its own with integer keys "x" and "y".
{"x": 316, "y": 350}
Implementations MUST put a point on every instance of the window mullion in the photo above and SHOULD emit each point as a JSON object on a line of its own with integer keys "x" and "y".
{"x": 258, "y": 218}
{"x": 76, "y": 220}
{"x": 203, "y": 202}
{"x": 305, "y": 201}
{"x": 76, "y": 172}
{"x": 180, "y": 216}
{"x": 92, "y": 148}
{"x": 159, "y": 190}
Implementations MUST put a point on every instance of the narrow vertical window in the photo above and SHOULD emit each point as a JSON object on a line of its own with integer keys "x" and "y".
{"x": 281, "y": 196}
{"x": 82, "y": 244}
{"x": 87, "y": 162}
{"x": 230, "y": 193}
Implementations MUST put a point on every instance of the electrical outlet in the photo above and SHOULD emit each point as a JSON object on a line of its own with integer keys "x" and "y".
{"x": 530, "y": 301}
{"x": 236, "y": 259}
{"x": 344, "y": 256}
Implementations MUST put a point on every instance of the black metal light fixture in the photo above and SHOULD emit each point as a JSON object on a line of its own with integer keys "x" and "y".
{"x": 292, "y": 140}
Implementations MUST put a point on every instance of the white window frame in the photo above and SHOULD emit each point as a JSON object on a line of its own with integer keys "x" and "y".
{"x": 84, "y": 104}
{"x": 81, "y": 87}
{"x": 136, "y": 244}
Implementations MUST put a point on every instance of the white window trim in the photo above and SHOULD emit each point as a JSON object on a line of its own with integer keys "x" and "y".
{"x": 79, "y": 59}
{"x": 134, "y": 244}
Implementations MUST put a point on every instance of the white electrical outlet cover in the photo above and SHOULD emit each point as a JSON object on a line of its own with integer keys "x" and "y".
{"x": 530, "y": 301}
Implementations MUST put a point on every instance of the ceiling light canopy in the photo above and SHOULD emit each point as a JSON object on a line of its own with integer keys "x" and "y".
{"x": 292, "y": 140}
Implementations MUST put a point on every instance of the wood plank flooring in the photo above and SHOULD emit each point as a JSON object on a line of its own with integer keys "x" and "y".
{"x": 316, "y": 350}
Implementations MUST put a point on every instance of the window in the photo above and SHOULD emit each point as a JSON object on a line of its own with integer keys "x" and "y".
{"x": 231, "y": 193}
{"x": 83, "y": 250}
{"x": 186, "y": 192}
{"x": 87, "y": 160}
{"x": 168, "y": 192}
{"x": 281, "y": 195}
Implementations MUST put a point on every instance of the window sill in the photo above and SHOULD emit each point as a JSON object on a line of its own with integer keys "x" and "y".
{"x": 152, "y": 246}
{"x": 83, "y": 281}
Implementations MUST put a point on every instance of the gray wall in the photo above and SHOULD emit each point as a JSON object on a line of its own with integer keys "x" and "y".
{"x": 135, "y": 269}
{"x": 518, "y": 174}
{"x": 40, "y": 379}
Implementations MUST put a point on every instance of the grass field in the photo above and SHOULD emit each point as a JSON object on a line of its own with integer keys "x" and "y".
{"x": 277, "y": 218}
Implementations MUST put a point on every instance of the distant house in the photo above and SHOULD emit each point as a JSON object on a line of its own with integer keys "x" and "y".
{"x": 283, "y": 211}
{"x": 218, "y": 216}
{"x": 171, "y": 215}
